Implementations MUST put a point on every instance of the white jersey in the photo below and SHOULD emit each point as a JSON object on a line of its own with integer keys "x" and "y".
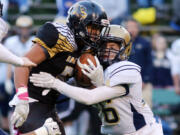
{"x": 129, "y": 113}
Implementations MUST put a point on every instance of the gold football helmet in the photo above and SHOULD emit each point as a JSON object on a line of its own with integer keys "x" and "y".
{"x": 121, "y": 37}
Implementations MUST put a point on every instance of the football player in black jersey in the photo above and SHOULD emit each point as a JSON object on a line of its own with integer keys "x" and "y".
{"x": 55, "y": 50}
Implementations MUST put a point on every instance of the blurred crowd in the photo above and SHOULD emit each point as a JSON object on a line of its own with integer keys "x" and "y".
{"x": 159, "y": 59}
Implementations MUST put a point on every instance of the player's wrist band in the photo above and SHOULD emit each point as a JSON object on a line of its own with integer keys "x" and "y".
{"x": 22, "y": 93}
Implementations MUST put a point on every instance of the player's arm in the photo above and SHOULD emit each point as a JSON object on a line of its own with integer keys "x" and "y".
{"x": 36, "y": 55}
{"x": 21, "y": 75}
{"x": 82, "y": 95}
{"x": 7, "y": 57}
{"x": 92, "y": 96}
{"x": 44, "y": 42}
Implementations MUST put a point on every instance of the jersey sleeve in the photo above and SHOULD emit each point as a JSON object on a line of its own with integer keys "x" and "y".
{"x": 53, "y": 42}
{"x": 124, "y": 74}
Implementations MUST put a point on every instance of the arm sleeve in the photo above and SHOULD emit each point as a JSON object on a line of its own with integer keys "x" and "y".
{"x": 87, "y": 96}
{"x": 7, "y": 57}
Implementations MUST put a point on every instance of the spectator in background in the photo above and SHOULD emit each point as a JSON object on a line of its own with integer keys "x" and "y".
{"x": 19, "y": 45}
{"x": 175, "y": 64}
{"x": 116, "y": 10}
{"x": 161, "y": 76}
{"x": 142, "y": 56}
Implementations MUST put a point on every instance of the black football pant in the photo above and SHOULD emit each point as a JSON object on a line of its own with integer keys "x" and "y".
{"x": 38, "y": 114}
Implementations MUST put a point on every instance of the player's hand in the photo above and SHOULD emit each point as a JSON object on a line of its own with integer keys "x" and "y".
{"x": 95, "y": 73}
{"x": 50, "y": 127}
{"x": 27, "y": 62}
{"x": 20, "y": 101}
{"x": 43, "y": 79}
{"x": 3, "y": 29}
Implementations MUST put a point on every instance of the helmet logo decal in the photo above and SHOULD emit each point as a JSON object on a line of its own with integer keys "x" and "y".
{"x": 75, "y": 10}
{"x": 83, "y": 12}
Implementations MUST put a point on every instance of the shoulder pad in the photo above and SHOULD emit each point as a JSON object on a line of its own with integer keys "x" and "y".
{"x": 55, "y": 38}
{"x": 48, "y": 34}
{"x": 123, "y": 72}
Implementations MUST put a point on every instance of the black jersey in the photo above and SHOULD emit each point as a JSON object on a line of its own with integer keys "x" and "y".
{"x": 59, "y": 45}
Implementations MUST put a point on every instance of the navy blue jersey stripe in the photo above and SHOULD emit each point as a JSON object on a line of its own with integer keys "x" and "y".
{"x": 125, "y": 66}
{"x": 138, "y": 119}
{"x": 123, "y": 70}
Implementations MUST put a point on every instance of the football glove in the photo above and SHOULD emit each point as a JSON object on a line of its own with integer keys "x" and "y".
{"x": 44, "y": 80}
{"x": 21, "y": 103}
{"x": 95, "y": 73}
{"x": 27, "y": 63}
{"x": 49, "y": 128}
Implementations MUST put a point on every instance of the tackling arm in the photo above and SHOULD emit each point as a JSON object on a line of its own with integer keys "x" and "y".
{"x": 82, "y": 95}
{"x": 7, "y": 57}
{"x": 87, "y": 96}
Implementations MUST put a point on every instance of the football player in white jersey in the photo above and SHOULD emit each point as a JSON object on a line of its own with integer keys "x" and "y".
{"x": 118, "y": 92}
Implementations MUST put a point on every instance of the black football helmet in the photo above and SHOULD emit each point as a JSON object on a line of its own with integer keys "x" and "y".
{"x": 114, "y": 34}
{"x": 84, "y": 15}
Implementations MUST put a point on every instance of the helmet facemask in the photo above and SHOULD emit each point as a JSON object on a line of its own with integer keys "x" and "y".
{"x": 114, "y": 47}
{"x": 109, "y": 54}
